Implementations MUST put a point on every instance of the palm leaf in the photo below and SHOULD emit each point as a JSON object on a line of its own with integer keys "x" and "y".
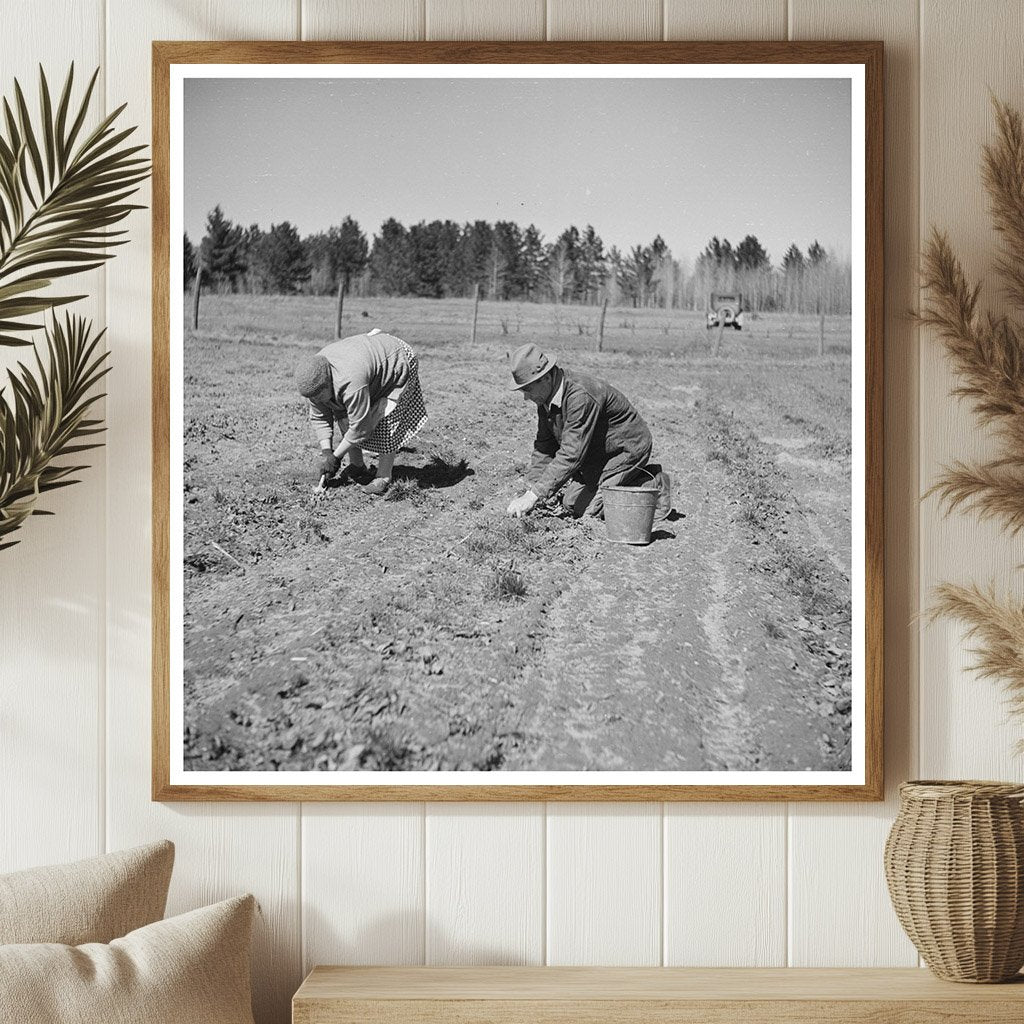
{"x": 45, "y": 418}
{"x": 46, "y": 118}
{"x": 62, "y": 191}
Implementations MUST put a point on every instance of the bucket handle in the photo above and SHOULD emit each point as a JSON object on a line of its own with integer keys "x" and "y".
{"x": 653, "y": 476}
{"x": 640, "y": 469}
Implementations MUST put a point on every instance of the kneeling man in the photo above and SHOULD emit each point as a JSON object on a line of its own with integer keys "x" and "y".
{"x": 588, "y": 435}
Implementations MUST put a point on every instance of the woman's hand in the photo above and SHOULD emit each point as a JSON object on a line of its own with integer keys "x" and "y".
{"x": 329, "y": 464}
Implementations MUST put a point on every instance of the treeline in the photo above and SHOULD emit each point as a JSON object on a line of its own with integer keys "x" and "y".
{"x": 811, "y": 282}
{"x": 443, "y": 259}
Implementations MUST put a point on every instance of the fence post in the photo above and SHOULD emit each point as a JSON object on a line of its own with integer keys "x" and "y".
{"x": 721, "y": 331}
{"x": 821, "y": 337}
{"x": 600, "y": 329}
{"x": 341, "y": 306}
{"x": 196, "y": 286}
{"x": 476, "y": 307}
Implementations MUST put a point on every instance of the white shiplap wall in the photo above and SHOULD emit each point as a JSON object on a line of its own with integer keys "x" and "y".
{"x": 751, "y": 884}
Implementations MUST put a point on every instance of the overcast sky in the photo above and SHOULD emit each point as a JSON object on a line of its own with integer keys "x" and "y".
{"x": 683, "y": 158}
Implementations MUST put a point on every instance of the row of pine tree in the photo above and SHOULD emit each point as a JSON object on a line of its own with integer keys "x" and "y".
{"x": 443, "y": 259}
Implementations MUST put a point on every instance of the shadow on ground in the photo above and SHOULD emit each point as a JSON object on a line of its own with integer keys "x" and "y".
{"x": 436, "y": 473}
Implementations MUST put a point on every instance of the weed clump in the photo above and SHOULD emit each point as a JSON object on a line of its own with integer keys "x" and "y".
{"x": 506, "y": 585}
{"x": 310, "y": 527}
{"x": 481, "y": 547}
{"x": 518, "y": 535}
{"x": 508, "y": 538}
{"x": 403, "y": 490}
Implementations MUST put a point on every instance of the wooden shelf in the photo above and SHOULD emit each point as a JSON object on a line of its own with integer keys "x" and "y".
{"x": 637, "y": 995}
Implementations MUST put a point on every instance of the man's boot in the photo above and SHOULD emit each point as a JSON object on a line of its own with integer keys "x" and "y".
{"x": 664, "y": 505}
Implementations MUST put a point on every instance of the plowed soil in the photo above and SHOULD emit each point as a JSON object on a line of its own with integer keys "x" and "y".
{"x": 427, "y": 630}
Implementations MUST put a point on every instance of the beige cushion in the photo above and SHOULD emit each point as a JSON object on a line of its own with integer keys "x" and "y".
{"x": 191, "y": 969}
{"x": 93, "y": 900}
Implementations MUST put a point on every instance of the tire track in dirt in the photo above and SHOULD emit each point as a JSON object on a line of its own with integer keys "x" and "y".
{"x": 825, "y": 544}
{"x": 804, "y": 587}
{"x": 601, "y": 692}
{"x": 728, "y": 730}
{"x": 816, "y": 481}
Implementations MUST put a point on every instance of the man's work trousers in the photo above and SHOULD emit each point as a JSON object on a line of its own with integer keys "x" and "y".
{"x": 581, "y": 493}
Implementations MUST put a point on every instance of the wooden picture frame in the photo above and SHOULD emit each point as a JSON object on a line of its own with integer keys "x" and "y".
{"x": 863, "y": 62}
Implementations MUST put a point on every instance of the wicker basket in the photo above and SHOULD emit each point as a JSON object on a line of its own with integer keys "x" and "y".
{"x": 954, "y": 861}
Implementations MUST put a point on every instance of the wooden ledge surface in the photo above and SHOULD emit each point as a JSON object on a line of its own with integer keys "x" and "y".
{"x": 641, "y": 984}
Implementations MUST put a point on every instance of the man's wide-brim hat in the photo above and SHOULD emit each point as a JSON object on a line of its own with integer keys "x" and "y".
{"x": 529, "y": 364}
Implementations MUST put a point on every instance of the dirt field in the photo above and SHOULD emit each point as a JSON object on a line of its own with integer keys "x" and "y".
{"x": 427, "y": 630}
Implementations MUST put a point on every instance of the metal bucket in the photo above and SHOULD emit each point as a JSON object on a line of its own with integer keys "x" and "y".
{"x": 629, "y": 512}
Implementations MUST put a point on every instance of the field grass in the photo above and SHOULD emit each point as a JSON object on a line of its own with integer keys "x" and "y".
{"x": 675, "y": 333}
{"x": 428, "y": 630}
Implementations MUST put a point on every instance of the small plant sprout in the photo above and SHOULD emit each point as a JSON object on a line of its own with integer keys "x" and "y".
{"x": 507, "y": 585}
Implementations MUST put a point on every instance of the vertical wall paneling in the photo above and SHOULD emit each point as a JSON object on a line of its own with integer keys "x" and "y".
{"x": 580, "y": 19}
{"x": 725, "y": 885}
{"x": 51, "y": 583}
{"x": 509, "y": 20}
{"x": 362, "y": 884}
{"x": 485, "y": 884}
{"x": 725, "y": 19}
{"x": 363, "y": 19}
{"x": 967, "y": 49}
{"x": 836, "y": 851}
{"x": 221, "y": 848}
{"x": 604, "y": 884}
{"x": 840, "y": 914}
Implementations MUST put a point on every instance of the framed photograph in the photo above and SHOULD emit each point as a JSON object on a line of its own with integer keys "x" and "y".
{"x": 517, "y": 421}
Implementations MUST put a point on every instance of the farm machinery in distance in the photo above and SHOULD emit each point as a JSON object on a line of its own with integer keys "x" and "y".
{"x": 725, "y": 311}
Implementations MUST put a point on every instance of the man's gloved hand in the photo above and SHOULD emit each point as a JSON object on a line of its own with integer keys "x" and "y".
{"x": 329, "y": 463}
{"x": 518, "y": 507}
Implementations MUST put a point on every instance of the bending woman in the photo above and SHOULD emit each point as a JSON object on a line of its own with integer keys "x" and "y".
{"x": 369, "y": 385}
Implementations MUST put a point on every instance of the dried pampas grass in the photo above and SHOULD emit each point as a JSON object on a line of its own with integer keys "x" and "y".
{"x": 996, "y": 630}
{"x": 987, "y": 354}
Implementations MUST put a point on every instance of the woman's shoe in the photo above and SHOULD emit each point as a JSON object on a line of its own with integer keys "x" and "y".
{"x": 376, "y": 487}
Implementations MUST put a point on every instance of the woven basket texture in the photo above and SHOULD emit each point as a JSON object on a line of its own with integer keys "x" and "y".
{"x": 954, "y": 862}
